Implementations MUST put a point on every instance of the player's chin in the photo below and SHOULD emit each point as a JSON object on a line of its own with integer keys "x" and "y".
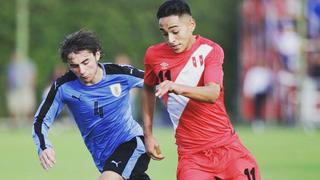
{"x": 86, "y": 79}
{"x": 177, "y": 50}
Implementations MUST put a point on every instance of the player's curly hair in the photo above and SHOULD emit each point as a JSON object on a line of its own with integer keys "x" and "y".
{"x": 79, "y": 41}
{"x": 173, "y": 7}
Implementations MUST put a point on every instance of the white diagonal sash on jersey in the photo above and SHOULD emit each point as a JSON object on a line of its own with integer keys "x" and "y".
{"x": 189, "y": 75}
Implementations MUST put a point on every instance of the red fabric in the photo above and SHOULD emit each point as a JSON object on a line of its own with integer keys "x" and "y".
{"x": 201, "y": 124}
{"x": 232, "y": 162}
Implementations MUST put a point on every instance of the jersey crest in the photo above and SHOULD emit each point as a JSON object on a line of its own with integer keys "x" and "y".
{"x": 115, "y": 89}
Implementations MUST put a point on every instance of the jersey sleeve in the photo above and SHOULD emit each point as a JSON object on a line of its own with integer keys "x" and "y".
{"x": 136, "y": 77}
{"x": 47, "y": 112}
{"x": 213, "y": 71}
{"x": 149, "y": 76}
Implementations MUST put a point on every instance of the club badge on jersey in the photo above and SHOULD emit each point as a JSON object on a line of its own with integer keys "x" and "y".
{"x": 115, "y": 89}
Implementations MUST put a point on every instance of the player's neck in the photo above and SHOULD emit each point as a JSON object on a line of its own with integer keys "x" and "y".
{"x": 191, "y": 43}
{"x": 98, "y": 76}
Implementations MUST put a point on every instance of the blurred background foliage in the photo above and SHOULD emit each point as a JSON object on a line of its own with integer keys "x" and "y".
{"x": 123, "y": 26}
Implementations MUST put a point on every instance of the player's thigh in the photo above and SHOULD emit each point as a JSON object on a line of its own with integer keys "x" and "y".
{"x": 110, "y": 175}
{"x": 190, "y": 168}
{"x": 192, "y": 174}
{"x": 129, "y": 160}
{"x": 244, "y": 168}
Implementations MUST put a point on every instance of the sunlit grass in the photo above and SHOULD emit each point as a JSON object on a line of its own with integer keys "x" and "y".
{"x": 282, "y": 153}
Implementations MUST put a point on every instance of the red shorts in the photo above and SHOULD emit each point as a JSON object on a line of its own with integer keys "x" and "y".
{"x": 232, "y": 162}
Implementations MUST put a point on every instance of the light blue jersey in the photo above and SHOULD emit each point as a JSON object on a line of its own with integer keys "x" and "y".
{"x": 102, "y": 111}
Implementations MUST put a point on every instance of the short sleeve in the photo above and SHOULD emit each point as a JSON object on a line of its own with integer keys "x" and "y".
{"x": 149, "y": 76}
{"x": 213, "y": 71}
{"x": 133, "y": 75}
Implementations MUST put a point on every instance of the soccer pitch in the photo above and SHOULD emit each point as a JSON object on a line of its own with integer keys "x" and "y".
{"x": 282, "y": 153}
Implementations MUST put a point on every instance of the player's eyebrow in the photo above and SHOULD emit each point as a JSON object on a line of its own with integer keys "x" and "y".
{"x": 71, "y": 64}
{"x": 174, "y": 26}
{"x": 87, "y": 59}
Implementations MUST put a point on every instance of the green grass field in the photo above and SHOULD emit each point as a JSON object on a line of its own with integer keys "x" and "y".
{"x": 283, "y": 154}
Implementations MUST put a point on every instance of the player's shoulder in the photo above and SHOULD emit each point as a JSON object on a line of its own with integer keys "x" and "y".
{"x": 126, "y": 69}
{"x": 209, "y": 42}
{"x": 157, "y": 49}
{"x": 217, "y": 50}
{"x": 67, "y": 77}
{"x": 157, "y": 46}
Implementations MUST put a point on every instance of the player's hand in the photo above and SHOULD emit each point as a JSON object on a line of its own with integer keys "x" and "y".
{"x": 47, "y": 158}
{"x": 153, "y": 148}
{"x": 164, "y": 87}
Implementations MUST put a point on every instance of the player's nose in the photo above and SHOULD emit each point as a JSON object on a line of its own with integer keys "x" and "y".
{"x": 81, "y": 69}
{"x": 171, "y": 38}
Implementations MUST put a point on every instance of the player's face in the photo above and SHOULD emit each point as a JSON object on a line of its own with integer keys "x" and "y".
{"x": 84, "y": 64}
{"x": 178, "y": 32}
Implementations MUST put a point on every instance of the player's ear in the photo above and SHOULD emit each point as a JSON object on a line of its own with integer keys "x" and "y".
{"x": 98, "y": 55}
{"x": 192, "y": 24}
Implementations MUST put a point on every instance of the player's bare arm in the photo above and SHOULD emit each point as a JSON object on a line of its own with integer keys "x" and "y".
{"x": 151, "y": 144}
{"x": 148, "y": 100}
{"x": 208, "y": 93}
{"x": 47, "y": 158}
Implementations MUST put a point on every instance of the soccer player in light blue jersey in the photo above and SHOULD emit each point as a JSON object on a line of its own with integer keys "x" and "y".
{"x": 97, "y": 95}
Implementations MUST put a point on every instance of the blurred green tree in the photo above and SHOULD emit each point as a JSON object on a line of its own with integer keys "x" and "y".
{"x": 122, "y": 25}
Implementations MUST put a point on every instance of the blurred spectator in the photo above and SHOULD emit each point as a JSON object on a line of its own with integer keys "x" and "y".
{"x": 287, "y": 86}
{"x": 288, "y": 44}
{"x": 314, "y": 66}
{"x": 279, "y": 44}
{"x": 313, "y": 18}
{"x": 253, "y": 25}
{"x": 257, "y": 87}
{"x": 310, "y": 105}
{"x": 20, "y": 90}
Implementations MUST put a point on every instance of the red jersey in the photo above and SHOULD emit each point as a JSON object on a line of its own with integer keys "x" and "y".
{"x": 198, "y": 125}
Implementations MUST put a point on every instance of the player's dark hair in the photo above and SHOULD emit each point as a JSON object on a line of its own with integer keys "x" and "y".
{"x": 173, "y": 7}
{"x": 79, "y": 41}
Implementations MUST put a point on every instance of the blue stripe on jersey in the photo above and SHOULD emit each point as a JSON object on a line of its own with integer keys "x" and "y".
{"x": 102, "y": 111}
{"x": 140, "y": 149}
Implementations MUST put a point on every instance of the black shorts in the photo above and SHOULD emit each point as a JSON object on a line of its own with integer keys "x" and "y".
{"x": 129, "y": 160}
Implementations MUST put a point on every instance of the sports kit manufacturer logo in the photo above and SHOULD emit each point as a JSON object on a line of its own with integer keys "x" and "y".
{"x": 76, "y": 97}
{"x": 164, "y": 65}
{"x": 115, "y": 89}
{"x": 116, "y": 163}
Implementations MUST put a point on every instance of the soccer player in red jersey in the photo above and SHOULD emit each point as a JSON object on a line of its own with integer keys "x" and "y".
{"x": 186, "y": 71}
